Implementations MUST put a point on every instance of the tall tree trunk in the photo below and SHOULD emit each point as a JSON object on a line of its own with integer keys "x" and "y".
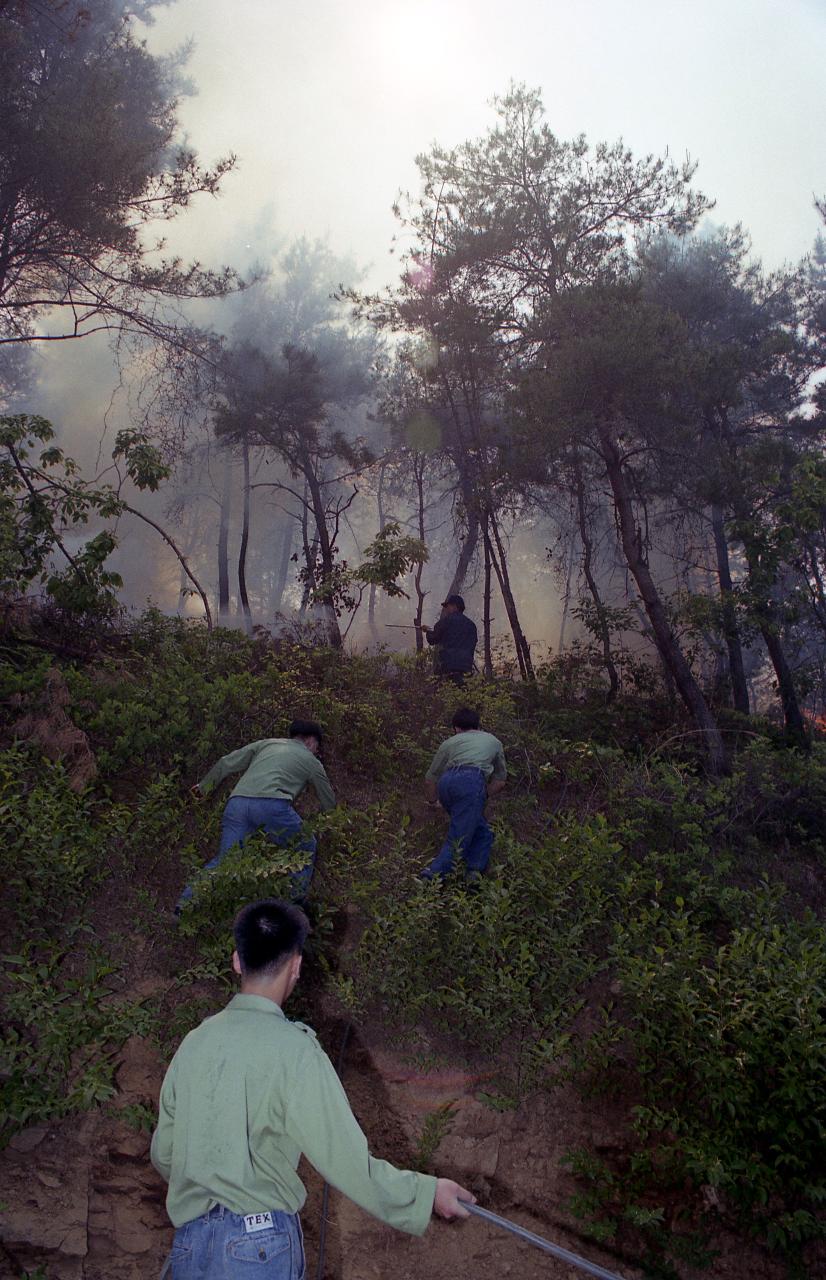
{"x": 664, "y": 637}
{"x": 310, "y": 552}
{"x": 283, "y": 566}
{"x": 371, "y": 600}
{"x": 466, "y": 555}
{"x": 243, "y": 598}
{"x": 310, "y": 555}
{"x": 795, "y": 724}
{"x": 223, "y": 540}
{"x": 500, "y": 565}
{"x": 566, "y": 603}
{"x": 811, "y": 568}
{"x": 737, "y": 671}
{"x": 587, "y": 568}
{"x": 497, "y": 568}
{"x": 769, "y": 630}
{"x": 325, "y": 549}
{"x": 418, "y": 472}
{"x": 488, "y": 659}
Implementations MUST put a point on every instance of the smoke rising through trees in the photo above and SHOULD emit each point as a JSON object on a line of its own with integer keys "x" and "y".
{"x": 585, "y": 408}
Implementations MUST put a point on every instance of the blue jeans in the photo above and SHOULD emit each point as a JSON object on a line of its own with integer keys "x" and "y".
{"x": 463, "y": 792}
{"x": 219, "y": 1247}
{"x": 243, "y": 816}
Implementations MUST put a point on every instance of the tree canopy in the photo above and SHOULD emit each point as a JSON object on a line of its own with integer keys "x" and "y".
{"x": 90, "y": 160}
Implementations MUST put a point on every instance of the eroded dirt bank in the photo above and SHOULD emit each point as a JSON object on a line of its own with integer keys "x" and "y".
{"x": 82, "y": 1202}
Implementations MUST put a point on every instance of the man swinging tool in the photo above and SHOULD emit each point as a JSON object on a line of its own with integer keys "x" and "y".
{"x": 245, "y": 1095}
{"x": 276, "y": 771}
{"x": 455, "y": 638}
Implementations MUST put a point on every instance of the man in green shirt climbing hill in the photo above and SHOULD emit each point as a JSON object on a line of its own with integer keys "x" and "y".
{"x": 246, "y": 1093}
{"x": 465, "y": 770}
{"x": 275, "y": 772}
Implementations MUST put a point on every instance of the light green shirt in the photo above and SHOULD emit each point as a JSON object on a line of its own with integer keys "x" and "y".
{"x": 278, "y": 768}
{"x": 246, "y": 1093}
{"x": 471, "y": 747}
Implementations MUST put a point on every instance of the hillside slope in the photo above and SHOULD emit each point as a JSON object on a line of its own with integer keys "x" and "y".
{"x": 618, "y": 1040}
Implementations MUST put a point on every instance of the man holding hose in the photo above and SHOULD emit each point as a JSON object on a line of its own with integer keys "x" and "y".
{"x": 245, "y": 1095}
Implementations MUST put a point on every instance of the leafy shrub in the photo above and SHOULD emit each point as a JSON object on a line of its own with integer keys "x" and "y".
{"x": 730, "y": 1051}
{"x": 641, "y": 930}
{"x": 62, "y": 1031}
{"x": 53, "y": 852}
{"x": 506, "y": 964}
{"x": 258, "y": 870}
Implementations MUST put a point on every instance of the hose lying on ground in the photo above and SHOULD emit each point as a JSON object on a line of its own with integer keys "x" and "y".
{"x": 325, "y": 1197}
{"x": 541, "y": 1243}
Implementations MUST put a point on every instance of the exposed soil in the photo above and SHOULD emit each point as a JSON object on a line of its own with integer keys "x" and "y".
{"x": 46, "y": 724}
{"x": 82, "y": 1200}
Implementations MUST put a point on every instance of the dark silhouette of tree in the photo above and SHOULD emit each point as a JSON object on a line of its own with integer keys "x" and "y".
{"x": 750, "y": 372}
{"x": 90, "y": 163}
{"x": 502, "y": 225}
{"x": 278, "y": 403}
{"x": 293, "y": 388}
{"x": 605, "y": 381}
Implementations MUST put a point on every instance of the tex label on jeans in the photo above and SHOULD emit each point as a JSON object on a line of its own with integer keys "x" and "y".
{"x": 257, "y": 1222}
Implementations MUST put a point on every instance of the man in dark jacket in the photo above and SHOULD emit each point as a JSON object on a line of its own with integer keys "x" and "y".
{"x": 455, "y": 638}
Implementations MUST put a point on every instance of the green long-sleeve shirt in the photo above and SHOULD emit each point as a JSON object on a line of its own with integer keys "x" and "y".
{"x": 246, "y": 1093}
{"x": 278, "y": 768}
{"x": 473, "y": 747}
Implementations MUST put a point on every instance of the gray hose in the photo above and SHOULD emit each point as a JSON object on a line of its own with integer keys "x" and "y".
{"x": 325, "y": 1196}
{"x": 541, "y": 1243}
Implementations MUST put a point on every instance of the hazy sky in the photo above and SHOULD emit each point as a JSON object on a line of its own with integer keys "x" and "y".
{"x": 327, "y": 102}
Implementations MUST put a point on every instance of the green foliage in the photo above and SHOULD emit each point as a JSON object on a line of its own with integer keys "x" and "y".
{"x": 642, "y": 933}
{"x": 44, "y": 497}
{"x": 53, "y": 855}
{"x": 612, "y": 1199}
{"x": 22, "y": 675}
{"x": 505, "y": 964}
{"x": 390, "y": 555}
{"x": 138, "y": 1116}
{"x": 386, "y": 559}
{"x": 437, "y": 1125}
{"x": 259, "y": 870}
{"x": 143, "y": 463}
{"x": 63, "y": 1027}
{"x": 730, "y": 1047}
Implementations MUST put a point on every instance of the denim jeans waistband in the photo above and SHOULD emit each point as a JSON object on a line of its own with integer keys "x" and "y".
{"x": 221, "y": 1211}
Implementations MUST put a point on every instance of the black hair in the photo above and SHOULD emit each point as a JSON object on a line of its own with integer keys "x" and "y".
{"x": 465, "y": 718}
{"x": 306, "y": 729}
{"x": 267, "y": 933}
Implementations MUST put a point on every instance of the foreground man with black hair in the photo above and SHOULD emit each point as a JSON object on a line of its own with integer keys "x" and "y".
{"x": 276, "y": 771}
{"x": 465, "y": 770}
{"x": 245, "y": 1095}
